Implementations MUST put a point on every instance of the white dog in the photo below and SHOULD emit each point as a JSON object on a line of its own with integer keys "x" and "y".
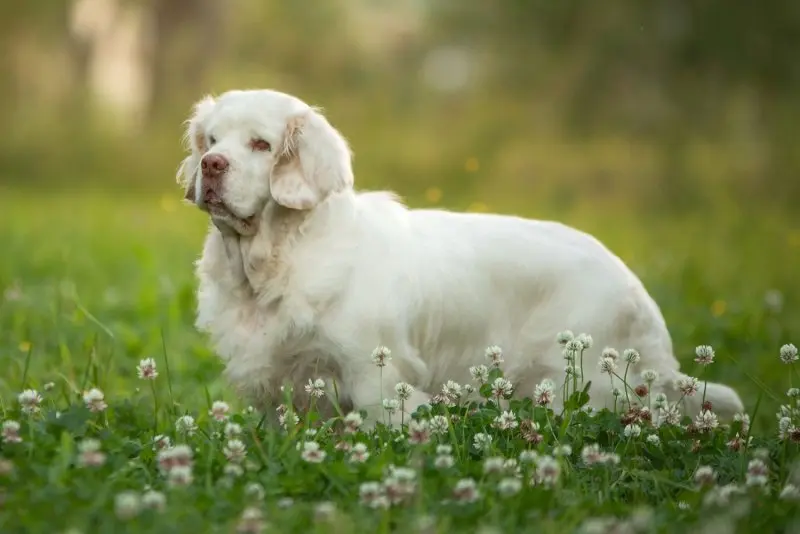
{"x": 301, "y": 277}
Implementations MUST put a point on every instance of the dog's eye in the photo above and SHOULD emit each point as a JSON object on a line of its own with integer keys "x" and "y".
{"x": 260, "y": 145}
{"x": 212, "y": 140}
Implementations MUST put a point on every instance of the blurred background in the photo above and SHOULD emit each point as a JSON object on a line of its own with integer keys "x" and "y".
{"x": 667, "y": 128}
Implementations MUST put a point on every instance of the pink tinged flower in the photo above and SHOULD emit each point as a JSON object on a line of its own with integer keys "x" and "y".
{"x": 544, "y": 393}
{"x": 704, "y": 355}
{"x": 315, "y": 388}
{"x": 30, "y": 401}
{"x": 235, "y": 451}
{"x": 10, "y": 432}
{"x": 146, "y": 370}
{"x": 352, "y": 422}
{"x": 312, "y": 453}
{"x": 502, "y": 388}
{"x": 161, "y": 442}
{"x": 94, "y": 399}
{"x": 687, "y": 385}
{"x": 466, "y": 491}
{"x": 495, "y": 355}
{"x": 89, "y": 453}
{"x": 219, "y": 411}
{"x": 419, "y": 432}
{"x": 359, "y": 453}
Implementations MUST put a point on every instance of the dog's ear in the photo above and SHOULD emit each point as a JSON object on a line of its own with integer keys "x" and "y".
{"x": 195, "y": 141}
{"x": 313, "y": 161}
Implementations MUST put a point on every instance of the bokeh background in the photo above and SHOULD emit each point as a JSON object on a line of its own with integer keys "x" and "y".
{"x": 667, "y": 128}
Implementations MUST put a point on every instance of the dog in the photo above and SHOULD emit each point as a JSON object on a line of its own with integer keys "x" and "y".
{"x": 303, "y": 277}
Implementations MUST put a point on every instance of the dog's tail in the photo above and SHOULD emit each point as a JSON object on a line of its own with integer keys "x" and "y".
{"x": 725, "y": 402}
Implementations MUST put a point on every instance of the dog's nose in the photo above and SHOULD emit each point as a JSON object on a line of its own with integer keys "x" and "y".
{"x": 214, "y": 165}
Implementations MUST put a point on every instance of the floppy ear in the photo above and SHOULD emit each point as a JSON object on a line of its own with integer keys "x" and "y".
{"x": 195, "y": 141}
{"x": 312, "y": 162}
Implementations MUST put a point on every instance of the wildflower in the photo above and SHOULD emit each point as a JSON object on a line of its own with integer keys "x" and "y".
{"x": 548, "y": 471}
{"x": 30, "y": 401}
{"x": 235, "y": 451}
{"x": 528, "y": 456}
{"x": 616, "y": 392}
{"x": 793, "y": 393}
{"x": 653, "y": 439}
{"x": 493, "y": 465}
{"x": 154, "y": 500}
{"x": 219, "y": 411}
{"x": 482, "y": 441}
{"x": 312, "y": 453}
{"x": 571, "y": 370}
{"x": 544, "y": 392}
{"x": 419, "y": 432}
{"x": 705, "y": 355}
{"x": 315, "y": 388}
{"x": 89, "y": 453}
{"x": 391, "y": 406}
{"x": 480, "y": 373}
{"x": 233, "y": 470}
{"x": 788, "y": 353}
{"x": 381, "y": 356}
{"x": 127, "y": 505}
{"x": 400, "y": 485}
{"x": 466, "y": 491}
{"x": 506, "y": 420}
{"x": 324, "y": 510}
{"x": 359, "y": 453}
{"x": 607, "y": 365}
{"x": 254, "y": 491}
{"x": 609, "y": 352}
{"x": 737, "y": 442}
{"x": 632, "y": 431}
{"x": 631, "y": 356}
{"x": 161, "y": 442}
{"x": 452, "y": 392}
{"x": 586, "y": 340}
{"x": 757, "y": 473}
{"x": 10, "y": 432}
{"x": 403, "y": 390}
{"x": 369, "y": 493}
{"x": 146, "y": 370}
{"x": 94, "y": 399}
{"x": 251, "y": 521}
{"x": 439, "y": 424}
{"x": 591, "y": 454}
{"x": 49, "y": 386}
{"x": 649, "y": 376}
{"x": 660, "y": 401}
{"x": 641, "y": 391}
{"x": 232, "y": 430}
{"x": 177, "y": 456}
{"x": 185, "y": 425}
{"x": 706, "y": 421}
{"x": 352, "y": 422}
{"x": 572, "y": 349}
{"x": 180, "y": 475}
{"x": 443, "y": 461}
{"x": 687, "y": 385}
{"x": 563, "y": 337}
{"x": 705, "y": 476}
{"x": 502, "y": 387}
{"x": 495, "y": 355}
{"x": 790, "y": 492}
{"x": 509, "y": 486}
{"x": 562, "y": 450}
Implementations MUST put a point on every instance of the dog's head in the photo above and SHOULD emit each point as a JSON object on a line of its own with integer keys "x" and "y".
{"x": 249, "y": 146}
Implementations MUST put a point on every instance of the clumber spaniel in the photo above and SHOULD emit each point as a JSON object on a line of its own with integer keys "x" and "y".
{"x": 303, "y": 277}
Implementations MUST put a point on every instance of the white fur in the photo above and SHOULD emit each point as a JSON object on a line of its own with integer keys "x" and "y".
{"x": 329, "y": 274}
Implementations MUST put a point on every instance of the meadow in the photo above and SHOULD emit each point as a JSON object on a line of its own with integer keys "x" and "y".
{"x": 98, "y": 292}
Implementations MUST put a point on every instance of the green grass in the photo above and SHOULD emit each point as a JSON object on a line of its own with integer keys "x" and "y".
{"x": 93, "y": 284}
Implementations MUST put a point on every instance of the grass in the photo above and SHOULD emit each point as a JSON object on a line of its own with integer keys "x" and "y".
{"x": 93, "y": 285}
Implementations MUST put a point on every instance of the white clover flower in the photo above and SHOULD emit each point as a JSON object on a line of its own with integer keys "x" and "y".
{"x": 400, "y": 485}
{"x": 154, "y": 500}
{"x": 444, "y": 461}
{"x": 219, "y": 410}
{"x": 452, "y": 391}
{"x": 89, "y": 453}
{"x": 572, "y": 349}
{"x": 660, "y": 401}
{"x": 653, "y": 439}
{"x": 312, "y": 452}
{"x": 479, "y": 373}
{"x": 251, "y": 521}
{"x": 632, "y": 431}
{"x": 607, "y": 365}
{"x": 528, "y": 456}
{"x": 495, "y": 355}
{"x": 544, "y": 392}
{"x": 493, "y": 465}
{"x": 315, "y": 388}
{"x": 788, "y": 353}
{"x": 548, "y": 471}
{"x": 235, "y": 451}
{"x": 757, "y": 473}
{"x": 562, "y": 450}
{"x": 161, "y": 442}
{"x": 705, "y": 476}
{"x": 468, "y": 388}
{"x": 10, "y": 432}
{"x": 610, "y": 352}
{"x": 793, "y": 393}
{"x": 352, "y": 422}
{"x": 146, "y": 370}
{"x": 232, "y": 430}
{"x": 466, "y": 491}
{"x": 127, "y": 505}
{"x": 506, "y": 420}
{"x": 704, "y": 355}
{"x": 49, "y": 386}
{"x": 233, "y": 470}
{"x": 439, "y": 424}
{"x": 391, "y": 405}
{"x": 687, "y": 385}
{"x": 631, "y": 356}
{"x": 509, "y": 486}
{"x": 30, "y": 401}
{"x": 572, "y": 370}
{"x": 419, "y": 432}
{"x": 255, "y": 491}
{"x": 482, "y": 442}
{"x": 586, "y": 340}
{"x": 671, "y": 415}
{"x": 359, "y": 453}
{"x": 616, "y": 392}
{"x": 649, "y": 376}
{"x": 370, "y": 493}
{"x": 502, "y": 388}
{"x": 381, "y": 356}
{"x": 185, "y": 425}
{"x": 94, "y": 399}
{"x": 790, "y": 492}
{"x": 563, "y": 337}
{"x": 706, "y": 421}
{"x": 403, "y": 390}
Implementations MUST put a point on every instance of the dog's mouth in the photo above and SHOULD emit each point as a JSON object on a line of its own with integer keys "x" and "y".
{"x": 217, "y": 209}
